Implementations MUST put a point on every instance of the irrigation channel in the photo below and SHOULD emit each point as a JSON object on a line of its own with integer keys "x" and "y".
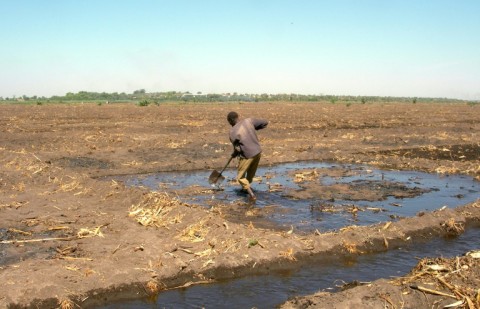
{"x": 317, "y": 196}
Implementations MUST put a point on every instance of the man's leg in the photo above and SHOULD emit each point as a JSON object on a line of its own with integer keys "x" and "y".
{"x": 252, "y": 167}
{"x": 248, "y": 168}
{"x": 243, "y": 165}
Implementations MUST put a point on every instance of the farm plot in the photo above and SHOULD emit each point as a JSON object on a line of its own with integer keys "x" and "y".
{"x": 68, "y": 237}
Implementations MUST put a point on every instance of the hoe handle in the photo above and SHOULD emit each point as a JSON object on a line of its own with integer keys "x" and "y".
{"x": 229, "y": 160}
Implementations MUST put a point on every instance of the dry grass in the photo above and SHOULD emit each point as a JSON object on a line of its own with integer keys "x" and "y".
{"x": 193, "y": 123}
{"x": 174, "y": 144}
{"x": 275, "y": 187}
{"x": 306, "y": 176}
{"x": 14, "y": 204}
{"x": 231, "y": 245}
{"x": 24, "y": 233}
{"x": 153, "y": 208}
{"x": 205, "y": 253}
{"x": 70, "y": 184}
{"x": 453, "y": 228}
{"x": 66, "y": 304}
{"x": 27, "y": 162}
{"x": 448, "y": 279}
{"x": 195, "y": 232}
{"x": 289, "y": 254}
{"x": 351, "y": 248}
{"x": 86, "y": 232}
{"x": 132, "y": 163}
{"x": 152, "y": 287}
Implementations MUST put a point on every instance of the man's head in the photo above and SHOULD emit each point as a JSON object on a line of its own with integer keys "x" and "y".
{"x": 232, "y": 118}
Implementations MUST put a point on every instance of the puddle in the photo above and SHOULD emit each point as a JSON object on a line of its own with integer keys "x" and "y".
{"x": 319, "y": 196}
{"x": 272, "y": 290}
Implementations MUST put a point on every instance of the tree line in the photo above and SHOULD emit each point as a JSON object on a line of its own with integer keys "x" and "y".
{"x": 141, "y": 96}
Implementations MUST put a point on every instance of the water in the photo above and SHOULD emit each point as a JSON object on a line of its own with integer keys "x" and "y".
{"x": 449, "y": 191}
{"x": 271, "y": 290}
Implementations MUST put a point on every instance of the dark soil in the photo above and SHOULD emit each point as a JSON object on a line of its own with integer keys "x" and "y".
{"x": 69, "y": 238}
{"x": 357, "y": 190}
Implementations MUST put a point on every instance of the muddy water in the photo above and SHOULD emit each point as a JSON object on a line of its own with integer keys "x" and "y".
{"x": 274, "y": 289}
{"x": 324, "y": 202}
{"x": 338, "y": 196}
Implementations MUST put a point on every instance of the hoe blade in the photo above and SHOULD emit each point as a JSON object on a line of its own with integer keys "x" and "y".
{"x": 215, "y": 177}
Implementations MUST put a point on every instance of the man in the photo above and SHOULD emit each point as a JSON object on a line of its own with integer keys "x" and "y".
{"x": 246, "y": 146}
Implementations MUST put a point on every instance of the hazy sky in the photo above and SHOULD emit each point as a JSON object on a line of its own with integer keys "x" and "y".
{"x": 411, "y": 48}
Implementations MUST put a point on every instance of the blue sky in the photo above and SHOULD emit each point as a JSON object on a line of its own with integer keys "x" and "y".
{"x": 409, "y": 48}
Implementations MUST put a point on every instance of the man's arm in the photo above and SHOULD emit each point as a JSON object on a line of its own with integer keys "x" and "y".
{"x": 259, "y": 123}
{"x": 236, "y": 148}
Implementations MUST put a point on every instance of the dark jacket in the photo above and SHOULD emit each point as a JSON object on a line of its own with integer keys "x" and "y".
{"x": 244, "y": 138}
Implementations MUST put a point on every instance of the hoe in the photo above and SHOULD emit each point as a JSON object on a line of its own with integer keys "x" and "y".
{"x": 216, "y": 176}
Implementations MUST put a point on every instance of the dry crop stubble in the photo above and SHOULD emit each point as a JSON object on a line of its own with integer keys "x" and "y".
{"x": 447, "y": 279}
{"x": 154, "y": 208}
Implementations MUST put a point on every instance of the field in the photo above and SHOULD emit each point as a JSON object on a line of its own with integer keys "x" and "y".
{"x": 68, "y": 236}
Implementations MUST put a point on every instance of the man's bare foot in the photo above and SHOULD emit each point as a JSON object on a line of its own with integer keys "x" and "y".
{"x": 252, "y": 196}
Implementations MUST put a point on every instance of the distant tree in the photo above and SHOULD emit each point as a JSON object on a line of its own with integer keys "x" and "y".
{"x": 139, "y": 91}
